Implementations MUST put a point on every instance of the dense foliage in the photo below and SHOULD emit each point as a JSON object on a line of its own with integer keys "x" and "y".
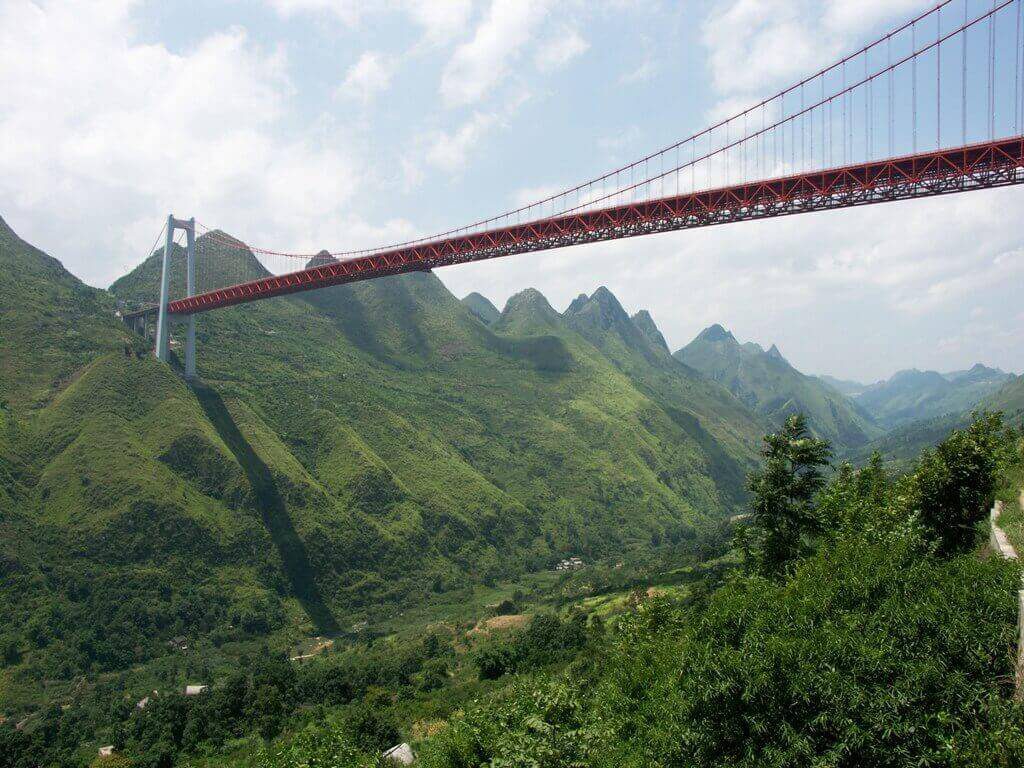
{"x": 954, "y": 483}
{"x": 546, "y": 640}
{"x": 350, "y": 453}
{"x": 366, "y": 450}
{"x": 783, "y": 490}
{"x": 883, "y": 647}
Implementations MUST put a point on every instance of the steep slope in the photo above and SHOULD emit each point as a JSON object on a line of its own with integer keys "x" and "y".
{"x": 767, "y": 383}
{"x": 481, "y": 307}
{"x": 138, "y": 522}
{"x": 51, "y": 323}
{"x": 702, "y": 408}
{"x": 346, "y": 451}
{"x": 504, "y": 445}
{"x": 1009, "y": 399}
{"x": 906, "y": 441}
{"x": 912, "y": 394}
{"x": 645, "y": 323}
{"x": 528, "y": 313}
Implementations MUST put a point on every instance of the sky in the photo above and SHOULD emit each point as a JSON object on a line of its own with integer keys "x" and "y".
{"x": 306, "y": 124}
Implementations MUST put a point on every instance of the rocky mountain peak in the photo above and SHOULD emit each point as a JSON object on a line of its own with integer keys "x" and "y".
{"x": 645, "y": 323}
{"x": 322, "y": 258}
{"x": 715, "y": 333}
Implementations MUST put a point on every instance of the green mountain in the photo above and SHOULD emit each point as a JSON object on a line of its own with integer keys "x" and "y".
{"x": 346, "y": 451}
{"x": 912, "y": 394}
{"x": 481, "y": 306}
{"x": 645, "y": 323}
{"x": 908, "y": 439}
{"x": 1009, "y": 399}
{"x": 768, "y": 384}
{"x": 51, "y": 324}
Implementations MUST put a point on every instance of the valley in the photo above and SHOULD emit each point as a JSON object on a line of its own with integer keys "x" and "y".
{"x": 376, "y": 464}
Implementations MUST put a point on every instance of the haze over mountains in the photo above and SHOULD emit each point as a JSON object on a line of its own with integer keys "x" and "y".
{"x": 354, "y": 449}
{"x": 912, "y": 394}
{"x": 769, "y": 385}
{"x": 899, "y": 416}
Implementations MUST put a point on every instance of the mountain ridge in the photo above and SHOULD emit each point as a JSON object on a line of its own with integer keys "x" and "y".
{"x": 767, "y": 383}
{"x": 344, "y": 452}
{"x": 482, "y": 307}
{"x": 912, "y": 394}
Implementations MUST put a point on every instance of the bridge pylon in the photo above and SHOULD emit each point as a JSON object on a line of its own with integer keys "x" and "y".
{"x": 163, "y": 331}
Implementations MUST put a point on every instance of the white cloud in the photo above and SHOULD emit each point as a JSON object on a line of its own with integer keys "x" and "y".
{"x": 481, "y": 63}
{"x": 449, "y": 151}
{"x": 369, "y": 76}
{"x": 348, "y": 11}
{"x": 529, "y": 195}
{"x": 756, "y": 45}
{"x": 441, "y": 20}
{"x": 560, "y": 50}
{"x": 851, "y": 17}
{"x": 93, "y": 121}
{"x": 643, "y": 72}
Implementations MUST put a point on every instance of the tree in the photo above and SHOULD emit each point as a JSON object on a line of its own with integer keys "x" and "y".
{"x": 782, "y": 510}
{"x": 954, "y": 484}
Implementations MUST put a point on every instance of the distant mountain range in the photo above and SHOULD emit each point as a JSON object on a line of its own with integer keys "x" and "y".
{"x": 770, "y": 386}
{"x": 897, "y": 417}
{"x": 912, "y": 394}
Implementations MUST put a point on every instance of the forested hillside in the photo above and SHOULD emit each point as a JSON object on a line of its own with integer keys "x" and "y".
{"x": 907, "y": 440}
{"x": 353, "y": 455}
{"x": 864, "y": 624}
{"x": 345, "y": 453}
{"x": 51, "y": 324}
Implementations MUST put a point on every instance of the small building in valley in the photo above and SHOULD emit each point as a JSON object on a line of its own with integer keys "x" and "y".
{"x": 400, "y": 754}
{"x": 195, "y": 690}
{"x": 570, "y": 564}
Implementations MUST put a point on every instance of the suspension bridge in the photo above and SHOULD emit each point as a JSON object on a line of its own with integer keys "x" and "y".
{"x": 933, "y": 107}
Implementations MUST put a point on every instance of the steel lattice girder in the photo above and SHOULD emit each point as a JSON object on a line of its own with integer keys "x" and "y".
{"x": 978, "y": 166}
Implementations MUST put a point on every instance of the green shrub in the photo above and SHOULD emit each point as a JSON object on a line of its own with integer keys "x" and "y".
{"x": 541, "y": 724}
{"x": 954, "y": 484}
{"x": 321, "y": 745}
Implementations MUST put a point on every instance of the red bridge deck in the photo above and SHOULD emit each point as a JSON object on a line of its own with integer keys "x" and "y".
{"x": 978, "y": 166}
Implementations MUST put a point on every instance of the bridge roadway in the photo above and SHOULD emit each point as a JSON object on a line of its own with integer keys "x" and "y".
{"x": 976, "y": 166}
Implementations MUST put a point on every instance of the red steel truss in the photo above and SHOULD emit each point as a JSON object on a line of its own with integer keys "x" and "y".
{"x": 977, "y": 166}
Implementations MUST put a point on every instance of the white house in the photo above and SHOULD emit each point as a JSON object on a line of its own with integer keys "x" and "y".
{"x": 400, "y": 754}
{"x": 194, "y": 690}
{"x": 107, "y": 751}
